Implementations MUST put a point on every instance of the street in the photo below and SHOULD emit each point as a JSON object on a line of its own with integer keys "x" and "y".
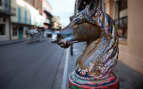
{"x": 30, "y": 66}
{"x": 41, "y": 65}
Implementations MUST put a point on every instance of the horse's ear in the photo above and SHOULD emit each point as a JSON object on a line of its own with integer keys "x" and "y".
{"x": 71, "y": 18}
{"x": 91, "y": 6}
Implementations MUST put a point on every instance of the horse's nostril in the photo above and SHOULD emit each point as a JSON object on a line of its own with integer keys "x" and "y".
{"x": 63, "y": 45}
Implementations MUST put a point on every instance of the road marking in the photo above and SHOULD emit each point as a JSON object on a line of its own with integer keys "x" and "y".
{"x": 65, "y": 75}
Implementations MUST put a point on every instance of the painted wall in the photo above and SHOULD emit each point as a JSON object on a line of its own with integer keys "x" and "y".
{"x": 132, "y": 53}
{"x": 135, "y": 34}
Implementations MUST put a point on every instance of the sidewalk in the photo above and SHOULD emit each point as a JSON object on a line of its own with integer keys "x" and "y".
{"x": 129, "y": 78}
{"x": 10, "y": 42}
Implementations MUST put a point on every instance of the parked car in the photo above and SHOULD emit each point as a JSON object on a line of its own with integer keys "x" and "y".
{"x": 54, "y": 37}
{"x": 48, "y": 33}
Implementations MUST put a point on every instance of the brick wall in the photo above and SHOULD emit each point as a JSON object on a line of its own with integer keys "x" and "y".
{"x": 109, "y": 7}
{"x": 36, "y": 4}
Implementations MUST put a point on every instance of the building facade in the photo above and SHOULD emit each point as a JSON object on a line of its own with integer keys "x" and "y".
{"x": 56, "y": 23}
{"x": 127, "y": 15}
{"x": 118, "y": 10}
{"x": 17, "y": 16}
{"x": 4, "y": 19}
{"x": 47, "y": 13}
{"x": 25, "y": 16}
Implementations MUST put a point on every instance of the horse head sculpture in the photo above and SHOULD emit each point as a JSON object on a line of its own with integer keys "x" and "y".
{"x": 101, "y": 51}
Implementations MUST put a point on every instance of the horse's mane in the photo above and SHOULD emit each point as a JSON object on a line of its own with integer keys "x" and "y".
{"x": 107, "y": 49}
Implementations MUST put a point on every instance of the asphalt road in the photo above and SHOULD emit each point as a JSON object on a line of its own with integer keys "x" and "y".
{"x": 30, "y": 66}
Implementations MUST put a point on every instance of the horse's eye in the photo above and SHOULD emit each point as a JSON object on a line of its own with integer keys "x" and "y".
{"x": 78, "y": 21}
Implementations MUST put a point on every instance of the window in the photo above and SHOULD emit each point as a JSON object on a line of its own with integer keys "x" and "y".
{"x": 6, "y": 5}
{"x": 123, "y": 20}
{"x": 2, "y": 29}
{"x": 14, "y": 33}
{"x": 123, "y": 4}
{"x": 123, "y": 28}
{"x": 25, "y": 17}
{"x": 19, "y": 15}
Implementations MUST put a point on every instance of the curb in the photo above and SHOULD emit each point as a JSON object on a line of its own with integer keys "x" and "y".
{"x": 65, "y": 73}
{"x": 11, "y": 42}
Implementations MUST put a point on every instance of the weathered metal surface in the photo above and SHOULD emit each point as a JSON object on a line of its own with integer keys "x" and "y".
{"x": 93, "y": 26}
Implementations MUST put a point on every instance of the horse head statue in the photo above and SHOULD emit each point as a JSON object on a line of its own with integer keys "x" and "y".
{"x": 101, "y": 52}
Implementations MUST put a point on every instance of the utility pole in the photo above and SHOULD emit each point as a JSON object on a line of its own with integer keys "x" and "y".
{"x": 10, "y": 32}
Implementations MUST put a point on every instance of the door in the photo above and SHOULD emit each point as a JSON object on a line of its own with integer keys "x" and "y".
{"x": 20, "y": 36}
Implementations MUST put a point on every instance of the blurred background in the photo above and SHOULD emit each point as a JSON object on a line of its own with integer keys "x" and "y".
{"x": 19, "y": 15}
